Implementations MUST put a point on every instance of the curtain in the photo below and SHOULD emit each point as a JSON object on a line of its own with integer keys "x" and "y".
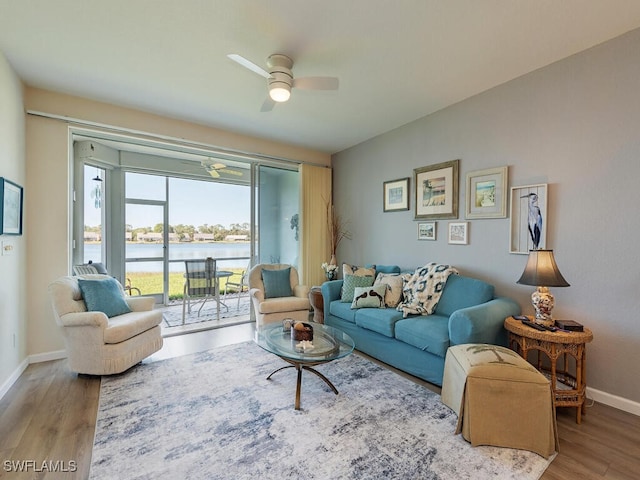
{"x": 315, "y": 193}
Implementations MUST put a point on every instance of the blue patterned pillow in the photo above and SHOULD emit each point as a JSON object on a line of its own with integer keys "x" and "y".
{"x": 103, "y": 295}
{"x": 277, "y": 283}
{"x": 350, "y": 283}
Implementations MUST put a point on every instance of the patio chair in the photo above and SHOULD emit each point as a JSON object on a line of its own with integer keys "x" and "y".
{"x": 240, "y": 285}
{"x": 93, "y": 268}
{"x": 200, "y": 281}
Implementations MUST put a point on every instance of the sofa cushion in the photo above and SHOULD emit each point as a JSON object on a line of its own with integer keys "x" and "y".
{"x": 430, "y": 334}
{"x": 277, "y": 283}
{"x": 342, "y": 310}
{"x": 369, "y": 271}
{"x": 379, "y": 320}
{"x": 393, "y": 291}
{"x": 349, "y": 284}
{"x": 462, "y": 292}
{"x": 369, "y": 297}
{"x": 103, "y": 295}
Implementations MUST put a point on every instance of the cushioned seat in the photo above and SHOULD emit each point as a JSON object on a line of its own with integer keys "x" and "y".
{"x": 378, "y": 320}
{"x": 428, "y": 333}
{"x": 500, "y": 399}
{"x": 276, "y": 294}
{"x": 99, "y": 344}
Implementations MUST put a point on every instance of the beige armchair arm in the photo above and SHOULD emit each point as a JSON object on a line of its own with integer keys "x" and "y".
{"x": 301, "y": 291}
{"x": 257, "y": 294}
{"x": 79, "y": 319}
{"x": 140, "y": 304}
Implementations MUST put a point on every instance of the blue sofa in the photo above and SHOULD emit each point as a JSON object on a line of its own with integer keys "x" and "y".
{"x": 467, "y": 312}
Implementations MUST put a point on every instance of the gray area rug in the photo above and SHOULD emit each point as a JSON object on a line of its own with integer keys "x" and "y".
{"x": 213, "y": 415}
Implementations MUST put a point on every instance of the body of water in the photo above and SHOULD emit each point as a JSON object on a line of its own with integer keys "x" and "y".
{"x": 177, "y": 253}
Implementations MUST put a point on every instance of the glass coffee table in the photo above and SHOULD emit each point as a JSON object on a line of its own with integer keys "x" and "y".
{"x": 328, "y": 344}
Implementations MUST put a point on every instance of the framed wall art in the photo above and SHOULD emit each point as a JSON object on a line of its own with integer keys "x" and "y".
{"x": 459, "y": 233}
{"x": 396, "y": 195}
{"x": 426, "y": 230}
{"x": 10, "y": 208}
{"x": 528, "y": 218}
{"x": 437, "y": 191}
{"x": 486, "y": 193}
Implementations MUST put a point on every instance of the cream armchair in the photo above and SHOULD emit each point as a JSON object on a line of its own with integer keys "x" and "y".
{"x": 96, "y": 344}
{"x": 276, "y": 307}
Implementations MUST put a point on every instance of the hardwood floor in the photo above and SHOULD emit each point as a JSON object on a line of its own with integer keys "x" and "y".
{"x": 47, "y": 422}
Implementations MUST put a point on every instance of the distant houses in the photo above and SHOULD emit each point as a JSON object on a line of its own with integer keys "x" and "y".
{"x": 154, "y": 237}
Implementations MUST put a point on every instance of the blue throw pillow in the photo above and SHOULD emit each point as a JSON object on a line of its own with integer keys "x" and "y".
{"x": 103, "y": 295}
{"x": 277, "y": 283}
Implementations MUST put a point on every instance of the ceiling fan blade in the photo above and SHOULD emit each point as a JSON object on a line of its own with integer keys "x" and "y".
{"x": 267, "y": 105}
{"x": 316, "y": 83}
{"x": 248, "y": 64}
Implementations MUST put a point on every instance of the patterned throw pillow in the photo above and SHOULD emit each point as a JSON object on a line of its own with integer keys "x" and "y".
{"x": 393, "y": 283}
{"x": 369, "y": 297}
{"x": 350, "y": 283}
{"x": 358, "y": 271}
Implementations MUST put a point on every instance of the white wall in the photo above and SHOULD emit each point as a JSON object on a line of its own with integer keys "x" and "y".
{"x": 574, "y": 125}
{"x": 13, "y": 324}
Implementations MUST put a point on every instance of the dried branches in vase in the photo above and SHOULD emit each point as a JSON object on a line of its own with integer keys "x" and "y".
{"x": 337, "y": 228}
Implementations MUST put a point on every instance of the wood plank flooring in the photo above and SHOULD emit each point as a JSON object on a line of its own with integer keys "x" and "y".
{"x": 49, "y": 416}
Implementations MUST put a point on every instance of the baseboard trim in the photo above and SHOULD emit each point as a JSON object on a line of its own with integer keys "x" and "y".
{"x": 47, "y": 356}
{"x": 13, "y": 377}
{"x": 614, "y": 401}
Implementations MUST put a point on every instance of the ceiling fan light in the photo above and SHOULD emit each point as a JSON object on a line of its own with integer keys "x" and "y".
{"x": 280, "y": 92}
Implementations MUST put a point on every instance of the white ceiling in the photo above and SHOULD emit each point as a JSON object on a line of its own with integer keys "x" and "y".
{"x": 397, "y": 60}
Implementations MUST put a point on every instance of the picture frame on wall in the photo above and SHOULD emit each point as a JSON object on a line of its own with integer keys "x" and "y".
{"x": 459, "y": 233}
{"x": 11, "y": 202}
{"x": 437, "y": 191}
{"x": 395, "y": 194}
{"x": 426, "y": 230}
{"x": 486, "y": 192}
{"x": 528, "y": 229}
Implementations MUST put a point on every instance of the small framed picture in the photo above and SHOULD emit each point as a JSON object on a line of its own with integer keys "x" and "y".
{"x": 396, "y": 195}
{"x": 459, "y": 233}
{"x": 426, "y": 230}
{"x": 487, "y": 193}
{"x": 10, "y": 207}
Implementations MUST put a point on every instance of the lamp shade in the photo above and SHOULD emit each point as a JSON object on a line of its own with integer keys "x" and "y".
{"x": 541, "y": 270}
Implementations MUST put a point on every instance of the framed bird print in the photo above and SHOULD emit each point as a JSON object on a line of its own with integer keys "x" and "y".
{"x": 528, "y": 218}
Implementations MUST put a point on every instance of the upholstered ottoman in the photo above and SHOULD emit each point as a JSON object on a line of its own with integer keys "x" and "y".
{"x": 500, "y": 399}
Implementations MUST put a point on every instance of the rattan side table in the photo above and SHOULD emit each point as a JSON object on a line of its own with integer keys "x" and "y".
{"x": 568, "y": 384}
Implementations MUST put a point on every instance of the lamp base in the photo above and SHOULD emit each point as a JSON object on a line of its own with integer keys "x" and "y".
{"x": 543, "y": 302}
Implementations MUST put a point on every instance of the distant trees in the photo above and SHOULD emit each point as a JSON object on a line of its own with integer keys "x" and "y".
{"x": 185, "y": 232}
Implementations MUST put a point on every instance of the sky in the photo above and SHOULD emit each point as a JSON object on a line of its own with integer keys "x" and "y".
{"x": 191, "y": 202}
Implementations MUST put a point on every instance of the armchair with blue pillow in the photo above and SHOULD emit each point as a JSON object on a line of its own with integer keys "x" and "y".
{"x": 276, "y": 294}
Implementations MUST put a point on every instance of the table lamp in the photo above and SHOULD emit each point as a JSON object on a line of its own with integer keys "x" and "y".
{"x": 541, "y": 271}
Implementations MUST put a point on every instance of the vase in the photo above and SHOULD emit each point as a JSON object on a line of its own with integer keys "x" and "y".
{"x": 333, "y": 260}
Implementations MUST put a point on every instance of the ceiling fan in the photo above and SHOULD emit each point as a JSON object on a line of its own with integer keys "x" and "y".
{"x": 214, "y": 168}
{"x": 280, "y": 78}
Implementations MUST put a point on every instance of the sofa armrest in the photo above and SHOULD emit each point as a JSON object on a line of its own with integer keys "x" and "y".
{"x": 140, "y": 304}
{"x": 301, "y": 291}
{"x": 81, "y": 319}
{"x": 331, "y": 290}
{"x": 482, "y": 323}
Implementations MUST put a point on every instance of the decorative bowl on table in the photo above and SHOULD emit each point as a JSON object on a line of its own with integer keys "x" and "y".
{"x": 301, "y": 331}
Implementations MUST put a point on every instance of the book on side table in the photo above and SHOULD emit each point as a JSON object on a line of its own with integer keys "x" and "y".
{"x": 570, "y": 325}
